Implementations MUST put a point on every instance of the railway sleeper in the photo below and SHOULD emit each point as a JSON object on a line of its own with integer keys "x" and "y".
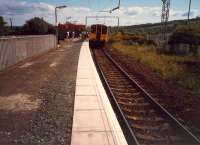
{"x": 115, "y": 77}
{"x": 132, "y": 103}
{"x": 117, "y": 82}
{"x": 164, "y": 128}
{"x": 161, "y": 142}
{"x": 135, "y": 106}
{"x": 130, "y": 110}
{"x": 131, "y": 98}
{"x": 127, "y": 93}
{"x": 157, "y": 138}
{"x": 145, "y": 119}
{"x": 123, "y": 89}
{"x": 122, "y": 86}
{"x": 139, "y": 113}
{"x": 145, "y": 127}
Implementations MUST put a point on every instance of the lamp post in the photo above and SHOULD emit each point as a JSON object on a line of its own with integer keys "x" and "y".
{"x": 56, "y": 20}
{"x": 11, "y": 23}
{"x": 68, "y": 19}
{"x": 189, "y": 10}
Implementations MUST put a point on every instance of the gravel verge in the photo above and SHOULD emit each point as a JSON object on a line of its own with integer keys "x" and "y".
{"x": 54, "y": 86}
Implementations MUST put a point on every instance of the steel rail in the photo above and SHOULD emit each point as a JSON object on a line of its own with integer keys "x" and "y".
{"x": 159, "y": 107}
{"x": 126, "y": 128}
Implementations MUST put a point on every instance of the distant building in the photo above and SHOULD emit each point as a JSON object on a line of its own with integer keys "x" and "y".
{"x": 71, "y": 27}
{"x": 70, "y": 30}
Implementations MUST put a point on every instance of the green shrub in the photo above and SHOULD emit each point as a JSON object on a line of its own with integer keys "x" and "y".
{"x": 130, "y": 37}
{"x": 169, "y": 67}
{"x": 37, "y": 26}
{"x": 3, "y": 28}
{"x": 187, "y": 34}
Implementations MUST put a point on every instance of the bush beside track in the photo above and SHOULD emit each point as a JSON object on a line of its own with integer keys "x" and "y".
{"x": 181, "y": 70}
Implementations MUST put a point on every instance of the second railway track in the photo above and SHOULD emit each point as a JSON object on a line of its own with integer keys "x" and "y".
{"x": 147, "y": 121}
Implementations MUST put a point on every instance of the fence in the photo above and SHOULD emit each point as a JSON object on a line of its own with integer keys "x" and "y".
{"x": 15, "y": 49}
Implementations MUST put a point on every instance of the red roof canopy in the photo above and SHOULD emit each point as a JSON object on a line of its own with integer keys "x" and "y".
{"x": 71, "y": 27}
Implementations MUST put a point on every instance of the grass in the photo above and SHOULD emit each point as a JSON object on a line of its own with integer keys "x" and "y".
{"x": 169, "y": 67}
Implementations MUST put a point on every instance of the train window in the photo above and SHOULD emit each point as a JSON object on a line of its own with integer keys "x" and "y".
{"x": 93, "y": 29}
{"x": 104, "y": 30}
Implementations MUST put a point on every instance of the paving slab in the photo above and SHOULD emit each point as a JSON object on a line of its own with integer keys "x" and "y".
{"x": 94, "y": 121}
{"x": 87, "y": 103}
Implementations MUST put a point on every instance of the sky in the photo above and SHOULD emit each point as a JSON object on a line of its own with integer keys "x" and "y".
{"x": 131, "y": 12}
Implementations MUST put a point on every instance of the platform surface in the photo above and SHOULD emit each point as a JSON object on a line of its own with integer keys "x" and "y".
{"x": 94, "y": 121}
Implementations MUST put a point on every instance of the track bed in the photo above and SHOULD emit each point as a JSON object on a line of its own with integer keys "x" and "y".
{"x": 150, "y": 123}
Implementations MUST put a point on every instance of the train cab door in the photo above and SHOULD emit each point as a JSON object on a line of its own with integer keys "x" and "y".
{"x": 98, "y": 34}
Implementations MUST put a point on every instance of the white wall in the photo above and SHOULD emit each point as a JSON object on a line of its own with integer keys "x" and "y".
{"x": 15, "y": 49}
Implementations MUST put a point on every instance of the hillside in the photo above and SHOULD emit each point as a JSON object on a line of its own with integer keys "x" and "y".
{"x": 154, "y": 28}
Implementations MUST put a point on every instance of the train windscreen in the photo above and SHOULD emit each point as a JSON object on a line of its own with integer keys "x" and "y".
{"x": 99, "y": 29}
{"x": 93, "y": 29}
{"x": 104, "y": 30}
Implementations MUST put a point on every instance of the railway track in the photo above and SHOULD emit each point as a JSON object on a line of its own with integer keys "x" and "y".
{"x": 143, "y": 119}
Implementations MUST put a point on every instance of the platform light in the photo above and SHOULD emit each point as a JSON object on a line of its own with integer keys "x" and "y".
{"x": 189, "y": 10}
{"x": 56, "y": 19}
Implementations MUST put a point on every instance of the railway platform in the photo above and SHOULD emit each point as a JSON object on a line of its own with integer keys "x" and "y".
{"x": 94, "y": 121}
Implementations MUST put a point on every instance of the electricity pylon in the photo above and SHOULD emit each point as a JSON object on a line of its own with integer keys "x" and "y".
{"x": 165, "y": 18}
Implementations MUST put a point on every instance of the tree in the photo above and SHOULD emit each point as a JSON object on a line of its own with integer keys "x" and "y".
{"x": 187, "y": 34}
{"x": 2, "y": 26}
{"x": 37, "y": 26}
{"x": 2, "y": 22}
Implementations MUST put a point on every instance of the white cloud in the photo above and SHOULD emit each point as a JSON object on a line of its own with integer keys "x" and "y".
{"x": 21, "y": 11}
{"x": 138, "y": 15}
{"x": 132, "y": 11}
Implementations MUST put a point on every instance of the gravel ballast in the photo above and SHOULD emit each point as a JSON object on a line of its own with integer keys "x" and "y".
{"x": 45, "y": 90}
